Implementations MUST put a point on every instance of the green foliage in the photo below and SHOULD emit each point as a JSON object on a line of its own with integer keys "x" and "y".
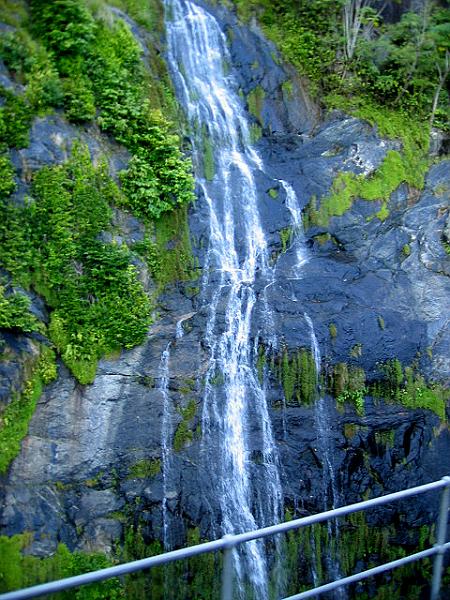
{"x": 255, "y": 100}
{"x": 19, "y": 570}
{"x": 408, "y": 387}
{"x": 333, "y": 331}
{"x": 103, "y": 74}
{"x": 397, "y": 64}
{"x": 297, "y": 374}
{"x": 14, "y": 312}
{"x": 183, "y": 433}
{"x": 16, "y": 416}
{"x": 66, "y": 27}
{"x": 7, "y": 182}
{"x": 145, "y": 468}
{"x": 286, "y": 238}
{"x": 395, "y": 169}
{"x": 15, "y": 120}
{"x": 406, "y": 250}
{"x": 98, "y": 302}
{"x": 208, "y": 156}
{"x": 32, "y": 66}
{"x": 79, "y": 101}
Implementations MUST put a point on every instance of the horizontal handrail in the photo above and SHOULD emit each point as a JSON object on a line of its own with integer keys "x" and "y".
{"x": 227, "y": 542}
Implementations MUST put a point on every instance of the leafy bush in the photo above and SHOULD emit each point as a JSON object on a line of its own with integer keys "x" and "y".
{"x": 19, "y": 570}
{"x": 14, "y": 312}
{"x": 79, "y": 101}
{"x": 7, "y": 183}
{"x": 66, "y": 27}
{"x": 15, "y": 120}
{"x": 30, "y": 65}
{"x": 99, "y": 304}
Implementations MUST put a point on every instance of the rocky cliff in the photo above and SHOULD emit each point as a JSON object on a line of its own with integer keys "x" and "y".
{"x": 377, "y": 290}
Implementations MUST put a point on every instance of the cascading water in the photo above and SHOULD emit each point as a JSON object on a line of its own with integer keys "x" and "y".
{"x": 247, "y": 493}
{"x": 166, "y": 440}
{"x": 323, "y": 427}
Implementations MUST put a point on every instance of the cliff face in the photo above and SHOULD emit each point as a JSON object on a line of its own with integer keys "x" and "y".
{"x": 375, "y": 289}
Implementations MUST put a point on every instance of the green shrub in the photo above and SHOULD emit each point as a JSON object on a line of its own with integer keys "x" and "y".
{"x": 7, "y": 182}
{"x": 15, "y": 120}
{"x": 66, "y": 27}
{"x": 79, "y": 101}
{"x": 98, "y": 303}
{"x": 14, "y": 312}
{"x": 18, "y": 570}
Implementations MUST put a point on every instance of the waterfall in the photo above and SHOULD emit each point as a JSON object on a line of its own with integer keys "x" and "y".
{"x": 323, "y": 427}
{"x": 238, "y": 447}
{"x": 166, "y": 441}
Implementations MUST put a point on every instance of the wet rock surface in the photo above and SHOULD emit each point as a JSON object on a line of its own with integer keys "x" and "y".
{"x": 74, "y": 477}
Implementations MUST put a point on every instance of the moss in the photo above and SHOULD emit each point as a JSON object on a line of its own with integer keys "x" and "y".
{"x": 255, "y": 101}
{"x": 145, "y": 468}
{"x": 208, "y": 155}
{"x": 406, "y": 251}
{"x": 408, "y": 166}
{"x": 288, "y": 89}
{"x": 356, "y": 351}
{"x": 333, "y": 331}
{"x": 273, "y": 193}
{"x": 173, "y": 247}
{"x": 261, "y": 363}
{"x": 385, "y": 438}
{"x": 255, "y": 133}
{"x": 286, "y": 238}
{"x": 17, "y": 415}
{"x": 297, "y": 375}
{"x": 184, "y": 433}
{"x": 381, "y": 323}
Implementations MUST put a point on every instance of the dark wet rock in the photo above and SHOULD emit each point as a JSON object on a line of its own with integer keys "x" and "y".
{"x": 383, "y": 285}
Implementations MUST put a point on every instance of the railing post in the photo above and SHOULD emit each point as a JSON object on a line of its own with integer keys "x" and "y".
{"x": 441, "y": 535}
{"x": 227, "y": 570}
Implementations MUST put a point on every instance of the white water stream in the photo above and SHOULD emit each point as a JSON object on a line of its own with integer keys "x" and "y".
{"x": 244, "y": 493}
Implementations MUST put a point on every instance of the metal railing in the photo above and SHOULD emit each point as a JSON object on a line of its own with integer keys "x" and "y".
{"x": 229, "y": 542}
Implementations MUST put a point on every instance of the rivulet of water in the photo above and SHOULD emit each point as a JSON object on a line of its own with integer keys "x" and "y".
{"x": 166, "y": 440}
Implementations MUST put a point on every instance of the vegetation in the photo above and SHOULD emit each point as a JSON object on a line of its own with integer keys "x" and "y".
{"x": 403, "y": 385}
{"x": 16, "y": 416}
{"x": 364, "y": 59}
{"x": 98, "y": 303}
{"x": 307, "y": 550}
{"x": 14, "y": 312}
{"x": 297, "y": 374}
{"x": 18, "y": 570}
{"x": 145, "y": 468}
{"x": 69, "y": 54}
{"x": 390, "y": 74}
{"x": 184, "y": 433}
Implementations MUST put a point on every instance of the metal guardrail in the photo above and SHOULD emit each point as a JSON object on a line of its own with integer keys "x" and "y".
{"x": 229, "y": 542}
